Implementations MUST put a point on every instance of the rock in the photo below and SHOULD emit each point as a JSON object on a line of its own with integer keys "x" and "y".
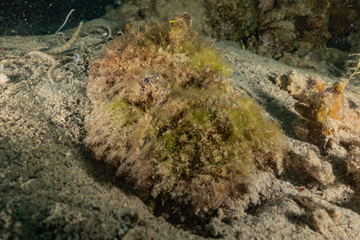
{"x": 293, "y": 82}
{"x": 353, "y": 163}
{"x": 4, "y": 79}
{"x": 314, "y": 166}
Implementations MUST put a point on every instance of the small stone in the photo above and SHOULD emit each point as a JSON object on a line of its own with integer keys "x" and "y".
{"x": 4, "y": 79}
{"x": 313, "y": 165}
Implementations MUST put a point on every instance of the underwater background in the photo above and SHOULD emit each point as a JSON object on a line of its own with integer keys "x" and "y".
{"x": 168, "y": 119}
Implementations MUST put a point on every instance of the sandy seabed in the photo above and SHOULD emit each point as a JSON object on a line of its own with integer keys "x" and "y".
{"x": 51, "y": 188}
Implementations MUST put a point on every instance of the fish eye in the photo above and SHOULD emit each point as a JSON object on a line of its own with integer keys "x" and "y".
{"x": 146, "y": 80}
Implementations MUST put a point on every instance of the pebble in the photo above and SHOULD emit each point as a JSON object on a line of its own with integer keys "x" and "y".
{"x": 4, "y": 78}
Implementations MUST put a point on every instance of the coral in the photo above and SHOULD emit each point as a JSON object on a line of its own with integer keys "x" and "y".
{"x": 166, "y": 116}
{"x": 291, "y": 28}
{"x": 129, "y": 11}
{"x": 344, "y": 18}
{"x": 327, "y": 118}
{"x": 233, "y": 19}
{"x": 230, "y": 19}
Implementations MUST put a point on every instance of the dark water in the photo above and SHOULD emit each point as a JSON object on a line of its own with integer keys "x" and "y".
{"x": 31, "y": 17}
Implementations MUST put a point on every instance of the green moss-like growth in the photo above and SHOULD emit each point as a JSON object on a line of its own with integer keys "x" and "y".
{"x": 123, "y": 113}
{"x": 166, "y": 117}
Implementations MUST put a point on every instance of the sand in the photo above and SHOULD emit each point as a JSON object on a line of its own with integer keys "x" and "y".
{"x": 52, "y": 188}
